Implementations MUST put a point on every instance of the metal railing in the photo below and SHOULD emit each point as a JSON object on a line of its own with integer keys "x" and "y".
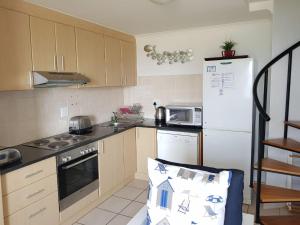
{"x": 264, "y": 117}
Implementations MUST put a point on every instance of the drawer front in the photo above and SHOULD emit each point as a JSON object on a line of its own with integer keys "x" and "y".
{"x": 28, "y": 175}
{"x": 45, "y": 212}
{"x": 29, "y": 194}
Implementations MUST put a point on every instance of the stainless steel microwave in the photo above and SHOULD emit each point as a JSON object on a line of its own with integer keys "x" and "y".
{"x": 189, "y": 115}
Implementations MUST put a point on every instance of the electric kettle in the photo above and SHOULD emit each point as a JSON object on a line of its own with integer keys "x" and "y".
{"x": 160, "y": 114}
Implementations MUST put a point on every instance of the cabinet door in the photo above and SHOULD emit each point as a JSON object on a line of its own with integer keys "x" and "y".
{"x": 106, "y": 157}
{"x": 66, "y": 48}
{"x": 129, "y": 63}
{"x": 111, "y": 163}
{"x": 145, "y": 147}
{"x": 45, "y": 211}
{"x": 113, "y": 61}
{"x": 91, "y": 57}
{"x": 115, "y": 143}
{"x": 129, "y": 153}
{"x": 43, "y": 44}
{"x": 1, "y": 206}
{"x": 15, "y": 57}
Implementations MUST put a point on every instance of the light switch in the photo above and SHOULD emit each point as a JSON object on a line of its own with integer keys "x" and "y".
{"x": 64, "y": 112}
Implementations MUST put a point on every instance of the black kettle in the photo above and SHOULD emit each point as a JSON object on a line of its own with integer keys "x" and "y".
{"x": 160, "y": 114}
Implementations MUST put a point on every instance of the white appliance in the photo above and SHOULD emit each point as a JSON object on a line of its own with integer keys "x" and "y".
{"x": 184, "y": 114}
{"x": 180, "y": 147}
{"x": 227, "y": 116}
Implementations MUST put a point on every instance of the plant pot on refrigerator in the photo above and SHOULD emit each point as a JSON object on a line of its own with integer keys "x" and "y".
{"x": 228, "y": 54}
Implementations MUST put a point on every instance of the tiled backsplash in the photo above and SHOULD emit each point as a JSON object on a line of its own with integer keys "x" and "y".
{"x": 164, "y": 90}
{"x": 28, "y": 115}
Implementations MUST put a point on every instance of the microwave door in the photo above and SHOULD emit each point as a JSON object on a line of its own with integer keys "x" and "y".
{"x": 180, "y": 116}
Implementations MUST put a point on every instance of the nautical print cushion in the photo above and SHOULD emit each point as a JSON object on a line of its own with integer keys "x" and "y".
{"x": 180, "y": 196}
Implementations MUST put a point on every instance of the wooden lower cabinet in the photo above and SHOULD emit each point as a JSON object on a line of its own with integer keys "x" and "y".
{"x": 29, "y": 194}
{"x": 111, "y": 163}
{"x": 117, "y": 160}
{"x": 146, "y": 146}
{"x": 129, "y": 153}
{"x": 45, "y": 212}
{"x": 28, "y": 175}
{"x": 1, "y": 206}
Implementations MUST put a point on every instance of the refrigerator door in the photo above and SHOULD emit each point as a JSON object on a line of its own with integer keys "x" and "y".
{"x": 227, "y": 94}
{"x": 178, "y": 147}
{"x": 229, "y": 150}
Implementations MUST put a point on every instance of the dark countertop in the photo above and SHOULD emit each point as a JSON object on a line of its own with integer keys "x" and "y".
{"x": 32, "y": 155}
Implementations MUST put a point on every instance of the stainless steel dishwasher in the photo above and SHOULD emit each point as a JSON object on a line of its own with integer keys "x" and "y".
{"x": 180, "y": 147}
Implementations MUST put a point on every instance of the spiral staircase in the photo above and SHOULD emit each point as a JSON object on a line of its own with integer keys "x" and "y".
{"x": 265, "y": 193}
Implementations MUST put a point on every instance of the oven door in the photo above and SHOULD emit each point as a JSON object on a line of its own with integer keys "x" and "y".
{"x": 77, "y": 179}
{"x": 180, "y": 116}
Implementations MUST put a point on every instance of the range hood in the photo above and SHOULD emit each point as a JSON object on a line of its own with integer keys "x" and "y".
{"x": 42, "y": 79}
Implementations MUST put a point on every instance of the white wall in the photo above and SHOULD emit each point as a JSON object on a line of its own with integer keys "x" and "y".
{"x": 183, "y": 82}
{"x": 285, "y": 32}
{"x": 253, "y": 38}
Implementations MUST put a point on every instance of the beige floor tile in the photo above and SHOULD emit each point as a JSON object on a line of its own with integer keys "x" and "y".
{"x": 97, "y": 217}
{"x": 119, "y": 220}
{"x": 114, "y": 204}
{"x": 127, "y": 192}
{"x": 142, "y": 198}
{"x": 132, "y": 209}
{"x": 141, "y": 184}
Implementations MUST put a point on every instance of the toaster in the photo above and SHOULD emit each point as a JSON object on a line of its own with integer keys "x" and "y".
{"x": 80, "y": 125}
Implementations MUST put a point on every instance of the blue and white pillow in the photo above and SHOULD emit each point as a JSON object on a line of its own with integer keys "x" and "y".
{"x": 180, "y": 196}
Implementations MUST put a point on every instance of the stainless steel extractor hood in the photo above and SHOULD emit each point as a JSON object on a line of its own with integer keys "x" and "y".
{"x": 43, "y": 79}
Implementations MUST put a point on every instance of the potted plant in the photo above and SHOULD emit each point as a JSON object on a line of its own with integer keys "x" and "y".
{"x": 227, "y": 49}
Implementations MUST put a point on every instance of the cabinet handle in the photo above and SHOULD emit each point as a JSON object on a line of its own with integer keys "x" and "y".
{"x": 55, "y": 62}
{"x": 30, "y": 79}
{"x": 37, "y": 213}
{"x": 35, "y": 193}
{"x": 295, "y": 156}
{"x": 34, "y": 174}
{"x": 63, "y": 63}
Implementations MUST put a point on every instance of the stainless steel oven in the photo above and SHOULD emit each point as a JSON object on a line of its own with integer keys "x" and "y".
{"x": 77, "y": 174}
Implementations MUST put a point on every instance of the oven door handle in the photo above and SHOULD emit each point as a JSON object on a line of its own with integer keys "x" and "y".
{"x": 81, "y": 161}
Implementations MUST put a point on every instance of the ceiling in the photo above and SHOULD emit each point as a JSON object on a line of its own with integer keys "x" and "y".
{"x": 143, "y": 16}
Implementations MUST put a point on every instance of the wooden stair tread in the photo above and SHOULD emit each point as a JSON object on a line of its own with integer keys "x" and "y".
{"x": 284, "y": 143}
{"x": 280, "y": 220}
{"x": 295, "y": 124}
{"x": 275, "y": 166}
{"x": 273, "y": 194}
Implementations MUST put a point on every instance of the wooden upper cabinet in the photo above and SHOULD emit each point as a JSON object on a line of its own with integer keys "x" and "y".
{"x": 113, "y": 61}
{"x": 129, "y": 63}
{"x": 43, "y": 44}
{"x": 65, "y": 48}
{"x": 15, "y": 57}
{"x": 91, "y": 57}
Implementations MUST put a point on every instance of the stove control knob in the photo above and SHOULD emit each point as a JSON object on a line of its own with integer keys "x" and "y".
{"x": 93, "y": 149}
{"x": 90, "y": 150}
{"x": 69, "y": 158}
{"x": 82, "y": 152}
{"x": 86, "y": 151}
{"x": 64, "y": 159}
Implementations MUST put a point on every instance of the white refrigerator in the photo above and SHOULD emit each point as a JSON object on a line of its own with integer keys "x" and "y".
{"x": 227, "y": 116}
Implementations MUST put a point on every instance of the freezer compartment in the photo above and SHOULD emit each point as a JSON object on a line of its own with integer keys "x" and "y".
{"x": 180, "y": 147}
{"x": 229, "y": 150}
